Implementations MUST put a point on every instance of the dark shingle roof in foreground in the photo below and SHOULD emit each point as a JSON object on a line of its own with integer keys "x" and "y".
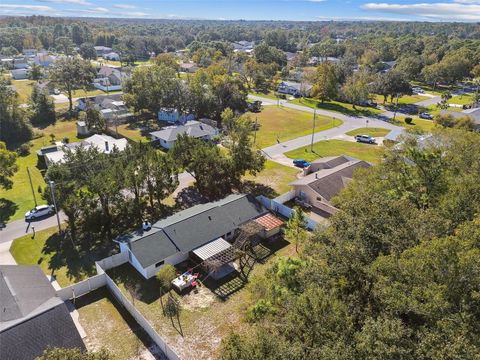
{"x": 32, "y": 317}
{"x": 192, "y": 228}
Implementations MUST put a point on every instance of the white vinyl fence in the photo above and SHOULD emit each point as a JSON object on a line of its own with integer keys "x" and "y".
{"x": 82, "y": 287}
{"x": 283, "y": 210}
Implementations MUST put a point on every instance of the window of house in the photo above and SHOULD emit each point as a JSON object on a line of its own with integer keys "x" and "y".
{"x": 159, "y": 263}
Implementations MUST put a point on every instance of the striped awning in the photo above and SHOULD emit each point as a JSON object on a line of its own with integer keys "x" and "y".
{"x": 212, "y": 248}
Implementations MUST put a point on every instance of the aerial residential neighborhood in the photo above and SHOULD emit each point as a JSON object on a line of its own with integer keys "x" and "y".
{"x": 239, "y": 180}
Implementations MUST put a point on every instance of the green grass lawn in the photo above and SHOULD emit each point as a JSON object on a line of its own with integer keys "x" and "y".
{"x": 287, "y": 124}
{"x": 270, "y": 95}
{"x": 466, "y": 99}
{"x": 91, "y": 92}
{"x": 109, "y": 325}
{"x": 24, "y": 89}
{"x": 55, "y": 255}
{"x": 276, "y": 177}
{"x": 404, "y": 100}
{"x": 422, "y": 124}
{"x": 19, "y": 199}
{"x": 369, "y": 131}
{"x": 371, "y": 153}
{"x": 336, "y": 106}
{"x": 131, "y": 132}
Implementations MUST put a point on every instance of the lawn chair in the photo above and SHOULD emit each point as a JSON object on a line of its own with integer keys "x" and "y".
{"x": 196, "y": 275}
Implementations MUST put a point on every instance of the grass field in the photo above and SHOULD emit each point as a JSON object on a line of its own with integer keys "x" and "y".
{"x": 19, "y": 199}
{"x": 56, "y": 256}
{"x": 270, "y": 95}
{"x": 336, "y": 106}
{"x": 424, "y": 125}
{"x": 276, "y": 177}
{"x": 371, "y": 153}
{"x": 109, "y": 325}
{"x": 466, "y": 99}
{"x": 24, "y": 89}
{"x": 131, "y": 133}
{"x": 287, "y": 124}
{"x": 404, "y": 100}
{"x": 369, "y": 131}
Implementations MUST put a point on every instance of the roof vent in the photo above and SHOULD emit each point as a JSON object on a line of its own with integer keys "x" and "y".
{"x": 316, "y": 175}
{"x": 209, "y": 218}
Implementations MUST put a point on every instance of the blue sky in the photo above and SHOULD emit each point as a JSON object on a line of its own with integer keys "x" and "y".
{"x": 420, "y": 10}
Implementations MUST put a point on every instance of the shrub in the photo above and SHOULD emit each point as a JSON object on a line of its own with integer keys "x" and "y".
{"x": 408, "y": 120}
{"x": 165, "y": 276}
{"x": 24, "y": 149}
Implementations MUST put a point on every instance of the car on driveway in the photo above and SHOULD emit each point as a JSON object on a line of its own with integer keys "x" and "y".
{"x": 426, "y": 116}
{"x": 367, "y": 139}
{"x": 301, "y": 163}
{"x": 418, "y": 90}
{"x": 38, "y": 212}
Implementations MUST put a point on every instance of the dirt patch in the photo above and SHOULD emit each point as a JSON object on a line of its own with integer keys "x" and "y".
{"x": 199, "y": 298}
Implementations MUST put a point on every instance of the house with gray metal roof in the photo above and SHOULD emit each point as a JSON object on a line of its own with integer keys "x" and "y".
{"x": 173, "y": 239}
{"x": 168, "y": 135}
{"x": 32, "y": 317}
{"x": 326, "y": 178}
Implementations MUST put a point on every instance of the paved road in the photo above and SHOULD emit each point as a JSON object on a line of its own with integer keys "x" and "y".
{"x": 276, "y": 152}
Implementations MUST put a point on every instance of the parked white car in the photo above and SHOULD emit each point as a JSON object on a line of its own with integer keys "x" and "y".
{"x": 367, "y": 139}
{"x": 418, "y": 90}
{"x": 39, "y": 211}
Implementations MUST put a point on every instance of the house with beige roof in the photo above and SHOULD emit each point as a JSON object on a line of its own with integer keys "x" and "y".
{"x": 324, "y": 179}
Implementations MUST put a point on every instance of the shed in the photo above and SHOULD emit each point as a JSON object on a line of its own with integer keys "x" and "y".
{"x": 82, "y": 129}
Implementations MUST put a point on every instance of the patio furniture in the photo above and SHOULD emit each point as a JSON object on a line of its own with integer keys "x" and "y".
{"x": 183, "y": 281}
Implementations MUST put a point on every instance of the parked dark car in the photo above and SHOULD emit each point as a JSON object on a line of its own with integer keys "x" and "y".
{"x": 255, "y": 106}
{"x": 301, "y": 163}
{"x": 426, "y": 116}
{"x": 368, "y": 103}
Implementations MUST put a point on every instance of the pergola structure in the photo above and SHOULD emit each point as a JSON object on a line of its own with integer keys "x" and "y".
{"x": 240, "y": 247}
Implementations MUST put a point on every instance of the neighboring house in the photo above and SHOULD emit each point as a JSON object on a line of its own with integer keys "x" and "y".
{"x": 20, "y": 63}
{"x": 109, "y": 78}
{"x": 388, "y": 65}
{"x": 188, "y": 67}
{"x": 6, "y": 62}
{"x": 19, "y": 74}
{"x": 325, "y": 178}
{"x": 44, "y": 59}
{"x": 103, "y": 143}
{"x": 192, "y": 232}
{"x": 173, "y": 116}
{"x": 114, "y": 103}
{"x": 290, "y": 56}
{"x": 168, "y": 135}
{"x": 473, "y": 114}
{"x": 315, "y": 60}
{"x": 32, "y": 317}
{"x": 29, "y": 52}
{"x": 294, "y": 88}
{"x": 112, "y": 56}
{"x": 102, "y": 50}
{"x": 46, "y": 86}
{"x": 243, "y": 46}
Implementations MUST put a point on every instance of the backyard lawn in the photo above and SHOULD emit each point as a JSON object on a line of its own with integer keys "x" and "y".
{"x": 19, "y": 199}
{"x": 404, "y": 100}
{"x": 110, "y": 326}
{"x": 55, "y": 255}
{"x": 370, "y": 153}
{"x": 275, "y": 176}
{"x": 336, "y": 106}
{"x": 422, "y": 124}
{"x": 369, "y": 131}
{"x": 205, "y": 318}
{"x": 286, "y": 124}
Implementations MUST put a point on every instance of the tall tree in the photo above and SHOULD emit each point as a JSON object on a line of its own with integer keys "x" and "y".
{"x": 326, "y": 82}
{"x": 296, "y": 227}
{"x": 71, "y": 73}
{"x": 8, "y": 166}
{"x": 42, "y": 108}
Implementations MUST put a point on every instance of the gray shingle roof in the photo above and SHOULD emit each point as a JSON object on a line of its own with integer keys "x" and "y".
{"x": 192, "y": 128}
{"x": 22, "y": 290}
{"x": 192, "y": 228}
{"x": 329, "y": 182}
{"x": 29, "y": 339}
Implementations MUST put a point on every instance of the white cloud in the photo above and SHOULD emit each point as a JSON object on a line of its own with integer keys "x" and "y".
{"x": 40, "y": 8}
{"x": 124, "y": 6}
{"x": 459, "y": 10}
{"x": 70, "y": 2}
